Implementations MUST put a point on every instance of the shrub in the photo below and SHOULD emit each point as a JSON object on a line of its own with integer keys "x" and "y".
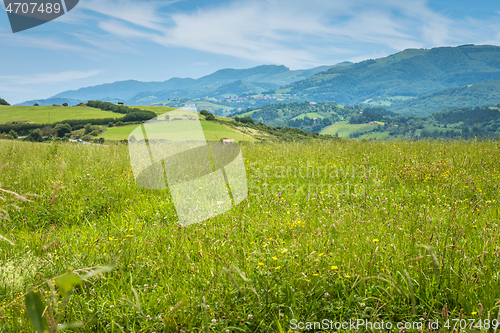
{"x": 48, "y": 131}
{"x": 65, "y": 104}
{"x": 63, "y": 129}
{"x": 96, "y": 131}
{"x": 244, "y": 120}
{"x": 88, "y": 128}
{"x": 35, "y": 136}
{"x": 3, "y": 102}
{"x": 138, "y": 115}
{"x": 205, "y": 113}
{"x": 210, "y": 117}
{"x": 4, "y": 136}
{"x": 13, "y": 134}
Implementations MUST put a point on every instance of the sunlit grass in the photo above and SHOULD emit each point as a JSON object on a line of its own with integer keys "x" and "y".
{"x": 50, "y": 114}
{"x": 329, "y": 230}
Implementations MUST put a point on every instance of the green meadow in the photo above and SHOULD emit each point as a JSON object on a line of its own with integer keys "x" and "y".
{"x": 212, "y": 131}
{"x": 51, "y": 114}
{"x": 157, "y": 109}
{"x": 309, "y": 115}
{"x": 344, "y": 129}
{"x": 400, "y": 232}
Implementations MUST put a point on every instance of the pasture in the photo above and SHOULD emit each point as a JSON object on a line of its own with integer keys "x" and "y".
{"x": 396, "y": 231}
{"x": 310, "y": 115}
{"x": 51, "y": 114}
{"x": 213, "y": 132}
{"x": 344, "y": 129}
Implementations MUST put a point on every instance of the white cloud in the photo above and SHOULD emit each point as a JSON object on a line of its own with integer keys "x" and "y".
{"x": 140, "y": 13}
{"x": 296, "y": 33}
{"x": 50, "y": 77}
{"x": 293, "y": 32}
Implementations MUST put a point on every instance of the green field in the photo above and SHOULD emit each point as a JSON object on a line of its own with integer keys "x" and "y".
{"x": 213, "y": 132}
{"x": 51, "y": 114}
{"x": 394, "y": 231}
{"x": 211, "y": 107}
{"x": 309, "y": 115}
{"x": 344, "y": 129}
{"x": 157, "y": 109}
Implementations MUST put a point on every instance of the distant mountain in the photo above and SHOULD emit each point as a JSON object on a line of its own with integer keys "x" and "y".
{"x": 284, "y": 78}
{"x": 242, "y": 87}
{"x": 123, "y": 90}
{"x": 256, "y": 74}
{"x": 479, "y": 94}
{"x": 410, "y": 73}
{"x": 50, "y": 101}
{"x": 133, "y": 92}
{"x": 227, "y": 82}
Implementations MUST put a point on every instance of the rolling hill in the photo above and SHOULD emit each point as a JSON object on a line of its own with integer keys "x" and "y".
{"x": 47, "y": 114}
{"x": 260, "y": 78}
{"x": 410, "y": 73}
{"x": 482, "y": 94}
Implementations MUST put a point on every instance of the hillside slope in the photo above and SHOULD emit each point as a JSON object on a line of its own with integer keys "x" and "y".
{"x": 136, "y": 92}
{"x": 411, "y": 73}
{"x": 482, "y": 94}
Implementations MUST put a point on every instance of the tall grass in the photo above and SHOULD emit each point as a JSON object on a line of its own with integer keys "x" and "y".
{"x": 395, "y": 231}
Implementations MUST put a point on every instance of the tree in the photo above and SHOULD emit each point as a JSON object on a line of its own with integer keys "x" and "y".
{"x": 3, "y": 102}
{"x": 35, "y": 136}
{"x": 205, "y": 113}
{"x": 36, "y": 104}
{"x": 210, "y": 117}
{"x": 13, "y": 133}
{"x": 88, "y": 128}
{"x": 47, "y": 131}
{"x": 62, "y": 129}
{"x": 65, "y": 104}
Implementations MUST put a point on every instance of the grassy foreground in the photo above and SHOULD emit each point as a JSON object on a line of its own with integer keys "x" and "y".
{"x": 212, "y": 131}
{"x": 394, "y": 231}
{"x": 51, "y": 114}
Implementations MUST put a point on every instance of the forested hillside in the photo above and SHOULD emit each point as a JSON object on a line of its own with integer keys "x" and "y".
{"x": 377, "y": 122}
{"x": 484, "y": 94}
{"x": 410, "y": 73}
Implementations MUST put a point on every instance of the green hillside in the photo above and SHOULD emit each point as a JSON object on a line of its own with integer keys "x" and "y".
{"x": 485, "y": 93}
{"x": 310, "y": 115}
{"x": 51, "y": 114}
{"x": 213, "y": 132}
{"x": 410, "y": 73}
{"x": 344, "y": 129}
{"x": 242, "y": 87}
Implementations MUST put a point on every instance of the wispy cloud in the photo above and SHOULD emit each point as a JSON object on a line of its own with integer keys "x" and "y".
{"x": 293, "y": 32}
{"x": 50, "y": 77}
{"x": 144, "y": 14}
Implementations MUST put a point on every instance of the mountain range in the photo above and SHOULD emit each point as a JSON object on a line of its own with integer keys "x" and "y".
{"x": 222, "y": 83}
{"x": 418, "y": 81}
{"x": 407, "y": 74}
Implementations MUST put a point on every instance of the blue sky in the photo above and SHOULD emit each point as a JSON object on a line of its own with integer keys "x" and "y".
{"x": 103, "y": 41}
